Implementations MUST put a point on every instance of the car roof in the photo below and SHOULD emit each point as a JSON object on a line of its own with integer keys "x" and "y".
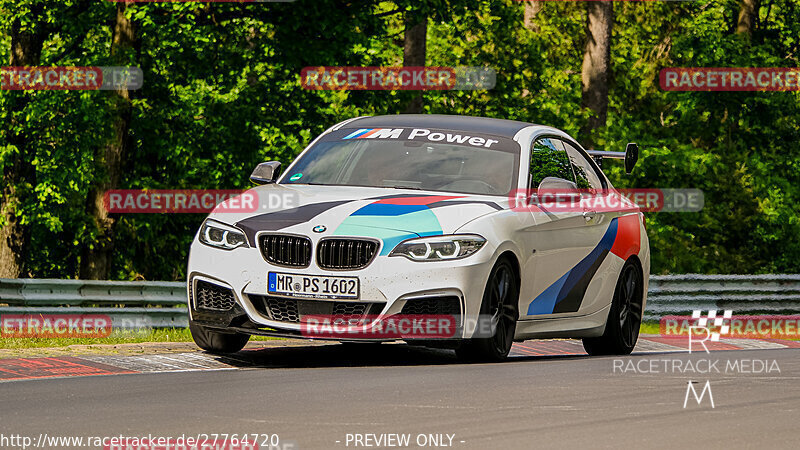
{"x": 497, "y": 127}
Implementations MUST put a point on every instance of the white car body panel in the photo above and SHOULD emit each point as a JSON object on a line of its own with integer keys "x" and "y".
{"x": 545, "y": 246}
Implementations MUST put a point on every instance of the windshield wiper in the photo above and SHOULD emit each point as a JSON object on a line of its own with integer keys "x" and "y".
{"x": 311, "y": 183}
{"x": 404, "y": 187}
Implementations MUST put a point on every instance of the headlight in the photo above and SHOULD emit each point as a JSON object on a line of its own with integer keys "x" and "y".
{"x": 217, "y": 234}
{"x": 439, "y": 248}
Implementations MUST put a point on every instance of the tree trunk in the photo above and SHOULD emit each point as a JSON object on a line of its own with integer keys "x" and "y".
{"x": 19, "y": 174}
{"x": 532, "y": 8}
{"x": 748, "y": 15}
{"x": 414, "y": 51}
{"x": 96, "y": 258}
{"x": 596, "y": 67}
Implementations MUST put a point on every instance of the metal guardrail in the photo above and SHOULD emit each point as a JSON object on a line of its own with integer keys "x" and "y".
{"x": 160, "y": 304}
{"x": 130, "y": 304}
{"x": 744, "y": 294}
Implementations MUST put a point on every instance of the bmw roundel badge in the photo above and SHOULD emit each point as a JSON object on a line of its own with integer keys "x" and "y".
{"x": 319, "y": 228}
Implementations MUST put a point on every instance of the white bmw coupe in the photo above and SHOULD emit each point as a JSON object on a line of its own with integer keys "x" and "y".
{"x": 427, "y": 216}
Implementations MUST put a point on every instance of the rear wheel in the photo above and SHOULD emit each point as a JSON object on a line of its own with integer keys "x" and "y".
{"x": 500, "y": 303}
{"x": 216, "y": 342}
{"x": 625, "y": 317}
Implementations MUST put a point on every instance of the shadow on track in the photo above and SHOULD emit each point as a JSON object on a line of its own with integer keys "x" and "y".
{"x": 357, "y": 355}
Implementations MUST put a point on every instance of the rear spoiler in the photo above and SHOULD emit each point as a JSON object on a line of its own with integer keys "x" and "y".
{"x": 630, "y": 155}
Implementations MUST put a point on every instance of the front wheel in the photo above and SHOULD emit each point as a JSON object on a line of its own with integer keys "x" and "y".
{"x": 624, "y": 318}
{"x": 216, "y": 342}
{"x": 500, "y": 304}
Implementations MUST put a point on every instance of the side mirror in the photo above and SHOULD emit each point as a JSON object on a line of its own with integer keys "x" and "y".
{"x": 631, "y": 156}
{"x": 557, "y": 191}
{"x": 266, "y": 172}
{"x": 557, "y": 184}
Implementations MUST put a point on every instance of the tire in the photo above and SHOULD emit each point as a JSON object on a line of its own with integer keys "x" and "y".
{"x": 357, "y": 345}
{"x": 216, "y": 342}
{"x": 624, "y": 318}
{"x": 500, "y": 300}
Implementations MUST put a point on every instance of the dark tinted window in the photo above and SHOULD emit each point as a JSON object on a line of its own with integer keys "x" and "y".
{"x": 585, "y": 176}
{"x": 415, "y": 164}
{"x": 548, "y": 159}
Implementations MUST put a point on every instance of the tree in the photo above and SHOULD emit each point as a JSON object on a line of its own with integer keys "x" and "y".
{"x": 222, "y": 92}
{"x": 414, "y": 49}
{"x": 532, "y": 8}
{"x": 595, "y": 69}
{"x": 748, "y": 16}
{"x": 19, "y": 174}
{"x": 96, "y": 256}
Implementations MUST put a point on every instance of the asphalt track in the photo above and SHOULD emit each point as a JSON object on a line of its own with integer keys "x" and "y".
{"x": 314, "y": 397}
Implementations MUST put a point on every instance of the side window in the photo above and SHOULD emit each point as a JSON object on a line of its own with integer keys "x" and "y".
{"x": 548, "y": 159}
{"x": 586, "y": 177}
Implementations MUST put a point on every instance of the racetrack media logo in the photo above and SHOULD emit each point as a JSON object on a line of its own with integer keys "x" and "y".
{"x": 706, "y": 389}
{"x": 719, "y": 322}
{"x": 720, "y": 327}
{"x": 729, "y": 79}
{"x": 699, "y": 328}
{"x": 702, "y": 323}
{"x": 398, "y": 78}
{"x": 55, "y": 326}
{"x": 70, "y": 78}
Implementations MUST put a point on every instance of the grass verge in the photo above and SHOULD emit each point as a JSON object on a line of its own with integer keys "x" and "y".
{"x": 157, "y": 335}
{"x": 116, "y": 337}
{"x": 650, "y": 327}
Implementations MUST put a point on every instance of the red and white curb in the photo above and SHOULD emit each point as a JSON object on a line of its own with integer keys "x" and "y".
{"x": 92, "y": 365}
{"x": 649, "y": 344}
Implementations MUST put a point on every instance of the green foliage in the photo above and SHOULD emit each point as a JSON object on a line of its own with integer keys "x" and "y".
{"x": 222, "y": 92}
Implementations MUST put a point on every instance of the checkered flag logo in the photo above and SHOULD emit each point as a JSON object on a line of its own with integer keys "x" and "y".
{"x": 719, "y": 322}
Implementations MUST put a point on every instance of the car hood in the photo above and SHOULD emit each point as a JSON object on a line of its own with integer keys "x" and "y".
{"x": 390, "y": 215}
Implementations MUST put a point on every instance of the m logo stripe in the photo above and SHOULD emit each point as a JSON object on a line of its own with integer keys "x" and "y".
{"x": 369, "y": 133}
{"x": 357, "y": 133}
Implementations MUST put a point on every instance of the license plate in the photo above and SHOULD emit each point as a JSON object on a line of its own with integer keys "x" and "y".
{"x": 312, "y": 286}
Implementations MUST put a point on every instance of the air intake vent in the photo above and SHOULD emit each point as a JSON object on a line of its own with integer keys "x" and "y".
{"x": 292, "y": 310}
{"x": 283, "y": 309}
{"x": 286, "y": 250}
{"x": 344, "y": 254}
{"x": 213, "y": 297}
{"x": 433, "y": 305}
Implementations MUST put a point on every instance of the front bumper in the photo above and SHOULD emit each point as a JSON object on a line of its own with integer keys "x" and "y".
{"x": 387, "y": 286}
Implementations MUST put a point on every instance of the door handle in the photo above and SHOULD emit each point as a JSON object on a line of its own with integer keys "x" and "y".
{"x": 589, "y": 215}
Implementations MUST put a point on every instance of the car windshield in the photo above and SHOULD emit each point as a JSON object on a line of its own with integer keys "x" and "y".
{"x": 411, "y": 164}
